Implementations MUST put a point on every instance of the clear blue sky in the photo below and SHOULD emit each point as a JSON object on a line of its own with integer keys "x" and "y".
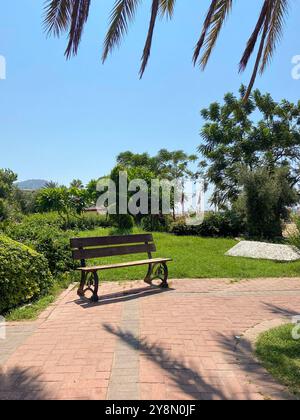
{"x": 62, "y": 120}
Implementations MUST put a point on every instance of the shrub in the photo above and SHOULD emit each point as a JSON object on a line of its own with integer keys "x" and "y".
{"x": 84, "y": 222}
{"x": 222, "y": 224}
{"x": 156, "y": 223}
{"x": 24, "y": 274}
{"x": 48, "y": 240}
{"x": 122, "y": 222}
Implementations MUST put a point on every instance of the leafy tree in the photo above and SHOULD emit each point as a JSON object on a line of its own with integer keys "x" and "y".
{"x": 7, "y": 179}
{"x": 266, "y": 197}
{"x": 238, "y": 135}
{"x": 65, "y": 201}
{"x": 71, "y": 16}
{"x": 171, "y": 166}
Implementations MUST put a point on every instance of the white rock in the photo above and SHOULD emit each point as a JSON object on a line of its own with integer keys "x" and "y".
{"x": 264, "y": 251}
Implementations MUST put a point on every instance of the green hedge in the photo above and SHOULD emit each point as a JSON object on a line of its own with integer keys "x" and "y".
{"x": 223, "y": 224}
{"x": 24, "y": 274}
{"x": 47, "y": 240}
{"x": 83, "y": 222}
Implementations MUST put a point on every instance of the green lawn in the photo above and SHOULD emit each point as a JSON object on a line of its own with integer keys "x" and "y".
{"x": 198, "y": 258}
{"x": 280, "y": 355}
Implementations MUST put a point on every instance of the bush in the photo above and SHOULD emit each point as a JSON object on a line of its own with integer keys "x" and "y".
{"x": 24, "y": 274}
{"x": 156, "y": 223}
{"x": 84, "y": 222}
{"x": 48, "y": 240}
{"x": 122, "y": 222}
{"x": 222, "y": 224}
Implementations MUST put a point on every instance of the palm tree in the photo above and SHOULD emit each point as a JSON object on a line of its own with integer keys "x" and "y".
{"x": 71, "y": 15}
{"x": 51, "y": 185}
{"x": 77, "y": 183}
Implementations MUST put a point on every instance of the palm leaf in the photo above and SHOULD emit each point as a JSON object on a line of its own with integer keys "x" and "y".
{"x": 167, "y": 7}
{"x": 277, "y": 19}
{"x": 123, "y": 12}
{"x": 260, "y": 51}
{"x": 147, "y": 49}
{"x": 80, "y": 14}
{"x": 254, "y": 37}
{"x": 57, "y": 16}
{"x": 217, "y": 20}
{"x": 205, "y": 28}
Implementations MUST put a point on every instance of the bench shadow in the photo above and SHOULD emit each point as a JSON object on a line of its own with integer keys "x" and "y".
{"x": 21, "y": 384}
{"x": 124, "y": 296}
{"x": 185, "y": 378}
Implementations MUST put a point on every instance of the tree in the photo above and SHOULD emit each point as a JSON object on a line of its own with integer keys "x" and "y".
{"x": 77, "y": 183}
{"x": 234, "y": 142}
{"x": 7, "y": 179}
{"x": 65, "y": 201}
{"x": 71, "y": 16}
{"x": 265, "y": 199}
{"x": 51, "y": 184}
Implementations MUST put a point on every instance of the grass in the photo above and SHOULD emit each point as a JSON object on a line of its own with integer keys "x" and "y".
{"x": 196, "y": 257}
{"x": 280, "y": 355}
{"x": 31, "y": 312}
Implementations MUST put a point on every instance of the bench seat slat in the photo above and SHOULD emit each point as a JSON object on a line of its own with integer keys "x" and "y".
{"x": 126, "y": 264}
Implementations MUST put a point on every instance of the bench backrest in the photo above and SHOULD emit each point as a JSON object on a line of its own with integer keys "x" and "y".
{"x": 109, "y": 246}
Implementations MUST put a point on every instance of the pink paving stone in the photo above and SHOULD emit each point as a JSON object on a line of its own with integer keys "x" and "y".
{"x": 186, "y": 336}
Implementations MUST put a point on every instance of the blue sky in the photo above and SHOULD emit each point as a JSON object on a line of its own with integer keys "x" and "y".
{"x": 62, "y": 120}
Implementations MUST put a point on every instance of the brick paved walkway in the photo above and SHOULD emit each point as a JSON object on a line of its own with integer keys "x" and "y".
{"x": 150, "y": 344}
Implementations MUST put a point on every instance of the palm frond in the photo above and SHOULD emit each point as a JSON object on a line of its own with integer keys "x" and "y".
{"x": 80, "y": 14}
{"x": 260, "y": 52}
{"x": 277, "y": 20}
{"x": 123, "y": 12}
{"x": 147, "y": 49}
{"x": 217, "y": 20}
{"x": 57, "y": 16}
{"x": 254, "y": 37}
{"x": 167, "y": 8}
{"x": 205, "y": 28}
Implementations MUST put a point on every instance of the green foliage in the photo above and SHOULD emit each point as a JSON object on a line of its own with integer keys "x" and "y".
{"x": 24, "y": 274}
{"x": 123, "y": 223}
{"x": 233, "y": 141}
{"x": 44, "y": 233}
{"x": 156, "y": 223}
{"x": 48, "y": 240}
{"x": 294, "y": 238}
{"x": 65, "y": 201}
{"x": 7, "y": 206}
{"x": 266, "y": 198}
{"x": 222, "y": 224}
{"x": 32, "y": 311}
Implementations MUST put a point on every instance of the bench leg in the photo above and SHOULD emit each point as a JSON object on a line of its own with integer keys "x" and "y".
{"x": 95, "y": 297}
{"x": 165, "y": 284}
{"x": 80, "y": 291}
{"x": 89, "y": 282}
{"x": 158, "y": 271}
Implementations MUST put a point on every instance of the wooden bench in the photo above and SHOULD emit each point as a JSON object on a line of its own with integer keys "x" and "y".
{"x": 110, "y": 246}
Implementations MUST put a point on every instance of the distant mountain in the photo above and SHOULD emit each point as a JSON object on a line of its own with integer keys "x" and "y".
{"x": 31, "y": 184}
